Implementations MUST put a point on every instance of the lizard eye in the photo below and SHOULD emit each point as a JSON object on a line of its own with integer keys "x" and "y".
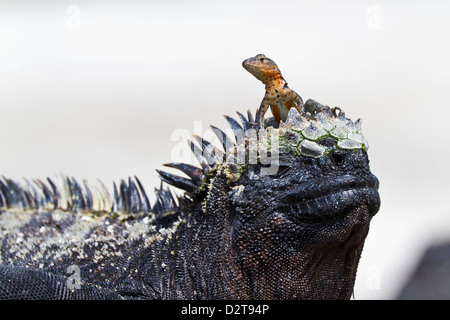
{"x": 261, "y": 59}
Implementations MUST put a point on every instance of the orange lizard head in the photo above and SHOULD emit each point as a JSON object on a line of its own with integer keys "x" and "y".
{"x": 263, "y": 68}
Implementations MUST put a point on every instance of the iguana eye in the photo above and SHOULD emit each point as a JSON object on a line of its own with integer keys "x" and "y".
{"x": 337, "y": 158}
{"x": 261, "y": 59}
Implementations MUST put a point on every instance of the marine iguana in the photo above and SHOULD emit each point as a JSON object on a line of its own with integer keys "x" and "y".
{"x": 279, "y": 97}
{"x": 279, "y": 213}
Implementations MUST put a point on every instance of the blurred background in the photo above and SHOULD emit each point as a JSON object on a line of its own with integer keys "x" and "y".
{"x": 111, "y": 89}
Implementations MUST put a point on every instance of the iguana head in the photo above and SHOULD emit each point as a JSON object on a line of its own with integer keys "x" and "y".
{"x": 301, "y": 231}
{"x": 297, "y": 214}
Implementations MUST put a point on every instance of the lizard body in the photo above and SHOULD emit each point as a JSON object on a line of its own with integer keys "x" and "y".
{"x": 279, "y": 97}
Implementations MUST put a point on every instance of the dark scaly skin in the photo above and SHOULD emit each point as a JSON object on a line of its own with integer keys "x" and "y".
{"x": 279, "y": 97}
{"x": 295, "y": 235}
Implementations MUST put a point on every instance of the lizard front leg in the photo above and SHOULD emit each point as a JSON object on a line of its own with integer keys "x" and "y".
{"x": 261, "y": 111}
{"x": 295, "y": 98}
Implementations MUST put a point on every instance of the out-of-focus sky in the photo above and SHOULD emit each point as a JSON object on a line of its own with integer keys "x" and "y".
{"x": 107, "y": 89}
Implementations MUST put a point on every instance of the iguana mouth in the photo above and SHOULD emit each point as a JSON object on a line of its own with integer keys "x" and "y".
{"x": 327, "y": 199}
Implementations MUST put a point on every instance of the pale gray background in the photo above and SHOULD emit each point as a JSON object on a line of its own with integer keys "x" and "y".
{"x": 102, "y": 89}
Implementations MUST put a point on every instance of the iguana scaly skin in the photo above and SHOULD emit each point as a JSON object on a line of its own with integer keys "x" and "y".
{"x": 279, "y": 97}
{"x": 279, "y": 213}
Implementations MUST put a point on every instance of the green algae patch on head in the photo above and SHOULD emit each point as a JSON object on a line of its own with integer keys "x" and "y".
{"x": 315, "y": 131}
{"x": 302, "y": 133}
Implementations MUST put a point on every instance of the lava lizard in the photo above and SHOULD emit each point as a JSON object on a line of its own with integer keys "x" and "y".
{"x": 279, "y": 97}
